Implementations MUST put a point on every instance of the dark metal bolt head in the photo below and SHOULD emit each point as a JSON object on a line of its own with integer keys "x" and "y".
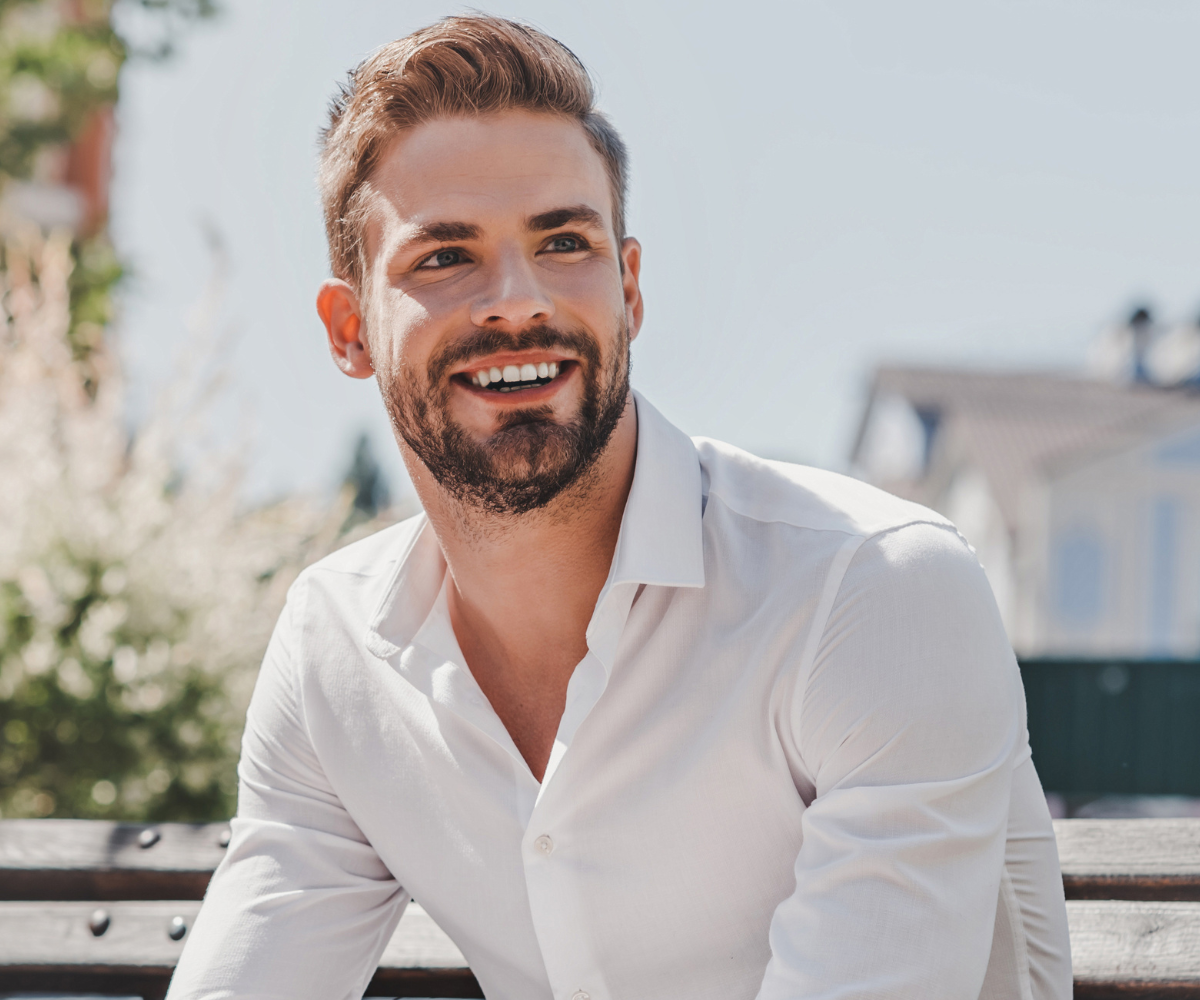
{"x": 225, "y": 837}
{"x": 99, "y": 922}
{"x": 149, "y": 837}
{"x": 177, "y": 929}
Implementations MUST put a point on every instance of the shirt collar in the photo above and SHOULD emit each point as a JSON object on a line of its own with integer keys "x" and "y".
{"x": 660, "y": 543}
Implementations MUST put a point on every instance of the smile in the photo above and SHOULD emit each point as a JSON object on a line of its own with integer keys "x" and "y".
{"x": 514, "y": 378}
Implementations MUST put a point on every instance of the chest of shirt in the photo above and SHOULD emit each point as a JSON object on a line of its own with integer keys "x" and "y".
{"x": 675, "y": 791}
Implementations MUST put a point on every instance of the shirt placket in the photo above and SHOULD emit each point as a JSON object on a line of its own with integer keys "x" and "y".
{"x": 555, "y": 877}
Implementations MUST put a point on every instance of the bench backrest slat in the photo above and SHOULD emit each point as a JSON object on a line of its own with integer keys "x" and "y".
{"x": 1149, "y": 859}
{"x": 70, "y": 859}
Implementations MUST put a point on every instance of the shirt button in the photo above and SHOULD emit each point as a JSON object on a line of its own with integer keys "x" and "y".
{"x": 580, "y": 995}
{"x": 546, "y": 845}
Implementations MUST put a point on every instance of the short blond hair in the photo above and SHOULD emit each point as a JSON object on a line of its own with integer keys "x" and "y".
{"x": 472, "y": 65}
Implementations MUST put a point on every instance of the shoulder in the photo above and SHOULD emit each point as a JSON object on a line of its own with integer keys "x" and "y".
{"x": 804, "y": 497}
{"x": 357, "y": 573}
{"x": 375, "y": 554}
{"x": 911, "y": 569}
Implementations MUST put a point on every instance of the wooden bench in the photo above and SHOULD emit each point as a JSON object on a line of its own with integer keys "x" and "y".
{"x": 93, "y": 907}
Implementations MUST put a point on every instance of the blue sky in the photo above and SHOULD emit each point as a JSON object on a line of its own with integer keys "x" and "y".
{"x": 818, "y": 187}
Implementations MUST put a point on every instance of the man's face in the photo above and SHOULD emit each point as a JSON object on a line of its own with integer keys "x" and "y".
{"x": 498, "y": 319}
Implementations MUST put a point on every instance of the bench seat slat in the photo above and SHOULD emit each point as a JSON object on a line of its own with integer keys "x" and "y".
{"x": 1133, "y": 889}
{"x": 50, "y": 946}
{"x": 37, "y": 935}
{"x": 1140, "y": 949}
{"x": 1146, "y": 859}
{"x": 1137, "y": 946}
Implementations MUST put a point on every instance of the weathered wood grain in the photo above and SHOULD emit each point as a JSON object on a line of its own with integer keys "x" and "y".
{"x": 49, "y": 946}
{"x": 1133, "y": 886}
{"x": 71, "y": 859}
{"x": 1146, "y": 859}
{"x": 1138, "y": 947}
{"x": 86, "y": 860}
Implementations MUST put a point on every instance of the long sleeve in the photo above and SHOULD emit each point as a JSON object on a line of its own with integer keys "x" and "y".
{"x": 301, "y": 906}
{"x": 908, "y": 723}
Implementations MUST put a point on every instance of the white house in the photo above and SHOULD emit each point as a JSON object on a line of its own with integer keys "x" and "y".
{"x": 1081, "y": 497}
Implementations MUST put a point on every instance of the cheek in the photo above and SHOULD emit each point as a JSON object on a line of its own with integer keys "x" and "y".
{"x": 402, "y": 332}
{"x": 593, "y": 290}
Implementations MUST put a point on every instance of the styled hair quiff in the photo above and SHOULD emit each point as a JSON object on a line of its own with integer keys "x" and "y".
{"x": 471, "y": 65}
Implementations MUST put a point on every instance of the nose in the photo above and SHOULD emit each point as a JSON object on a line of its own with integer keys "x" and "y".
{"x": 513, "y": 297}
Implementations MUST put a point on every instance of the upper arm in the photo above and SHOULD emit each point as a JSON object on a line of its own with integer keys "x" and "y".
{"x": 906, "y": 720}
{"x": 914, "y": 677}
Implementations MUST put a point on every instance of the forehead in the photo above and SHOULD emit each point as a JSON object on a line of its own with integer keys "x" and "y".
{"x": 491, "y": 171}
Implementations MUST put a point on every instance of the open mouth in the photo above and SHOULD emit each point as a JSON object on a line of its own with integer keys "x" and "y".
{"x": 514, "y": 378}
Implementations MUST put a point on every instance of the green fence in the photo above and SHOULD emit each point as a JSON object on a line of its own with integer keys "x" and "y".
{"x": 1115, "y": 726}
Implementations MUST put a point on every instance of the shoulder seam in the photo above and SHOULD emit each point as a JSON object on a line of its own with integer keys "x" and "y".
{"x": 829, "y": 592}
{"x": 790, "y": 522}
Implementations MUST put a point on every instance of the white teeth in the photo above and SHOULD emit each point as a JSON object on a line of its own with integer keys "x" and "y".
{"x": 515, "y": 373}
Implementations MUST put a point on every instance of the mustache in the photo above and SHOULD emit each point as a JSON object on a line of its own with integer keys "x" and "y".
{"x": 483, "y": 342}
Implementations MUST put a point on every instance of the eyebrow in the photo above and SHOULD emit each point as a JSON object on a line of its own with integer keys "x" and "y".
{"x": 451, "y": 232}
{"x": 442, "y": 232}
{"x": 556, "y": 217}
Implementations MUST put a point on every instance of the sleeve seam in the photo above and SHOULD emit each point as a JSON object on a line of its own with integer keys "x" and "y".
{"x": 829, "y": 595}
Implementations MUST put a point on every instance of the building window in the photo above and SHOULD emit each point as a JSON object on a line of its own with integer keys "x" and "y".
{"x": 1079, "y": 577}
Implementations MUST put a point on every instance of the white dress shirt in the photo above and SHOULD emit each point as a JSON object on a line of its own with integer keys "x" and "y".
{"x": 793, "y": 764}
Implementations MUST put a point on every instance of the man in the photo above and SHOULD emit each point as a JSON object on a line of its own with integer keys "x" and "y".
{"x": 632, "y": 715}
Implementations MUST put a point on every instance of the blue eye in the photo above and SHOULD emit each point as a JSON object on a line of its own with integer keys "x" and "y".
{"x": 565, "y": 244}
{"x": 443, "y": 258}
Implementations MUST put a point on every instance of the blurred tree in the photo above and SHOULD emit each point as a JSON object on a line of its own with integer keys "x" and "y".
{"x": 135, "y": 603}
{"x": 60, "y": 64}
{"x": 135, "y": 600}
{"x": 366, "y": 483}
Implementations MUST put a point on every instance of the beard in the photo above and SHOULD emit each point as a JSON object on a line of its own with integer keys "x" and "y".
{"x": 531, "y": 458}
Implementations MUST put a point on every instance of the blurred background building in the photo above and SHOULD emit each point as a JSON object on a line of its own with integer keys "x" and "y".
{"x": 1080, "y": 493}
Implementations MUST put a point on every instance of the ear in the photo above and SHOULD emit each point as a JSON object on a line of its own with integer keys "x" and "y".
{"x": 631, "y": 255}
{"x": 340, "y": 311}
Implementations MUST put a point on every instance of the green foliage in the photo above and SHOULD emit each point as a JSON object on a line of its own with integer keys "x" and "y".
{"x": 54, "y": 75}
{"x": 60, "y": 67}
{"x": 94, "y": 277}
{"x": 105, "y": 715}
{"x": 132, "y": 613}
{"x": 135, "y": 602}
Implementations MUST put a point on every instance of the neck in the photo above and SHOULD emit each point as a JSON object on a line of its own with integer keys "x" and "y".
{"x": 521, "y": 584}
{"x": 521, "y": 590}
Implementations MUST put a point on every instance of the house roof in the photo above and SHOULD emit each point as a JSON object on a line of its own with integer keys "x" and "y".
{"x": 1019, "y": 425}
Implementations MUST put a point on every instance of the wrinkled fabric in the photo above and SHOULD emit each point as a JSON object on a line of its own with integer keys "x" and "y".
{"x": 793, "y": 764}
